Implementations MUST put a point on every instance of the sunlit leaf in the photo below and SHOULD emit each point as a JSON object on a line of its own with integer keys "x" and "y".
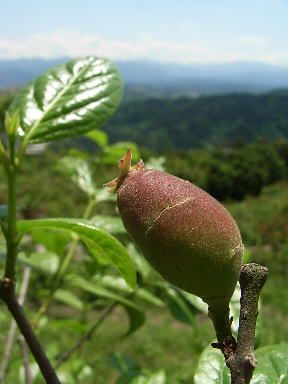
{"x": 103, "y": 194}
{"x": 272, "y": 366}
{"x": 119, "y": 285}
{"x": 78, "y": 170}
{"x": 68, "y": 298}
{"x": 157, "y": 378}
{"x": 85, "y": 372}
{"x": 211, "y": 368}
{"x": 75, "y": 370}
{"x": 99, "y": 137}
{"x": 196, "y": 302}
{"x": 68, "y": 100}
{"x": 131, "y": 377}
{"x": 104, "y": 243}
{"x": 46, "y": 262}
{"x": 110, "y": 224}
{"x": 156, "y": 163}
{"x": 136, "y": 315}
{"x": 113, "y": 153}
{"x": 114, "y": 282}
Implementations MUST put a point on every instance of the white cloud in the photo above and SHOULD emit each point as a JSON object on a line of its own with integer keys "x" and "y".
{"x": 72, "y": 43}
{"x": 255, "y": 40}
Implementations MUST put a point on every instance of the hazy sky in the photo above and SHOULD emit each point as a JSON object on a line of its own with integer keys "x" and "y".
{"x": 167, "y": 30}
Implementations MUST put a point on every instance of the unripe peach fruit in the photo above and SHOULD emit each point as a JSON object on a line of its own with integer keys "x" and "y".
{"x": 186, "y": 235}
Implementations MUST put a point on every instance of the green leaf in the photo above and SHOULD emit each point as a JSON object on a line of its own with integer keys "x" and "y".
{"x": 68, "y": 298}
{"x": 96, "y": 252}
{"x": 178, "y": 307}
{"x": 142, "y": 265}
{"x": 103, "y": 195}
{"x": 99, "y": 137}
{"x": 65, "y": 376}
{"x": 196, "y": 302}
{"x": 79, "y": 171}
{"x": 211, "y": 368}
{"x": 132, "y": 377}
{"x": 157, "y": 378}
{"x": 12, "y": 122}
{"x": 156, "y": 163}
{"x": 147, "y": 296}
{"x": 116, "y": 283}
{"x": 113, "y": 153}
{"x": 68, "y": 100}
{"x": 119, "y": 285}
{"x": 136, "y": 319}
{"x": 272, "y": 366}
{"x": 123, "y": 363}
{"x": 110, "y": 224}
{"x": 54, "y": 240}
{"x": 72, "y": 323}
{"x": 46, "y": 262}
{"x": 234, "y": 308}
{"x": 246, "y": 256}
{"x": 135, "y": 314}
{"x": 99, "y": 240}
{"x": 85, "y": 373}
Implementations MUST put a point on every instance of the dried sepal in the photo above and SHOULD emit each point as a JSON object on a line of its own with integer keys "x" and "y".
{"x": 125, "y": 167}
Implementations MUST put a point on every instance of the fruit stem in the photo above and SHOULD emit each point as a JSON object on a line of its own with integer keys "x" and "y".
{"x": 219, "y": 314}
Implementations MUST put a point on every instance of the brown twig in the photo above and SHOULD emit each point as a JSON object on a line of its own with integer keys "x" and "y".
{"x": 7, "y": 294}
{"x": 241, "y": 361}
{"x": 10, "y": 339}
{"x": 87, "y": 336}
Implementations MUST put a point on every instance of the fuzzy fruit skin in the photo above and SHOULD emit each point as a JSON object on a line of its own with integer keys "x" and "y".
{"x": 187, "y": 235}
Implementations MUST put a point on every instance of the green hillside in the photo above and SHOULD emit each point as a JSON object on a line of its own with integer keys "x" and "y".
{"x": 183, "y": 123}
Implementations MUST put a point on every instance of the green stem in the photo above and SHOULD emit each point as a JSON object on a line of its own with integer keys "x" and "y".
{"x": 4, "y": 157}
{"x": 221, "y": 321}
{"x": 72, "y": 249}
{"x": 11, "y": 220}
{"x": 66, "y": 262}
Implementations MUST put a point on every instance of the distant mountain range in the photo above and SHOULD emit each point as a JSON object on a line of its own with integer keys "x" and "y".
{"x": 146, "y": 78}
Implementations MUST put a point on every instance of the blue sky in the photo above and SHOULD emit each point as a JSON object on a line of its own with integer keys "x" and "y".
{"x": 186, "y": 31}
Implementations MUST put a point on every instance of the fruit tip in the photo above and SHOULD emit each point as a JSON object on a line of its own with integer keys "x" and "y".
{"x": 125, "y": 168}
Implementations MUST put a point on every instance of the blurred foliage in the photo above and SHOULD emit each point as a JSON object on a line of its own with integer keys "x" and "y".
{"x": 232, "y": 173}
